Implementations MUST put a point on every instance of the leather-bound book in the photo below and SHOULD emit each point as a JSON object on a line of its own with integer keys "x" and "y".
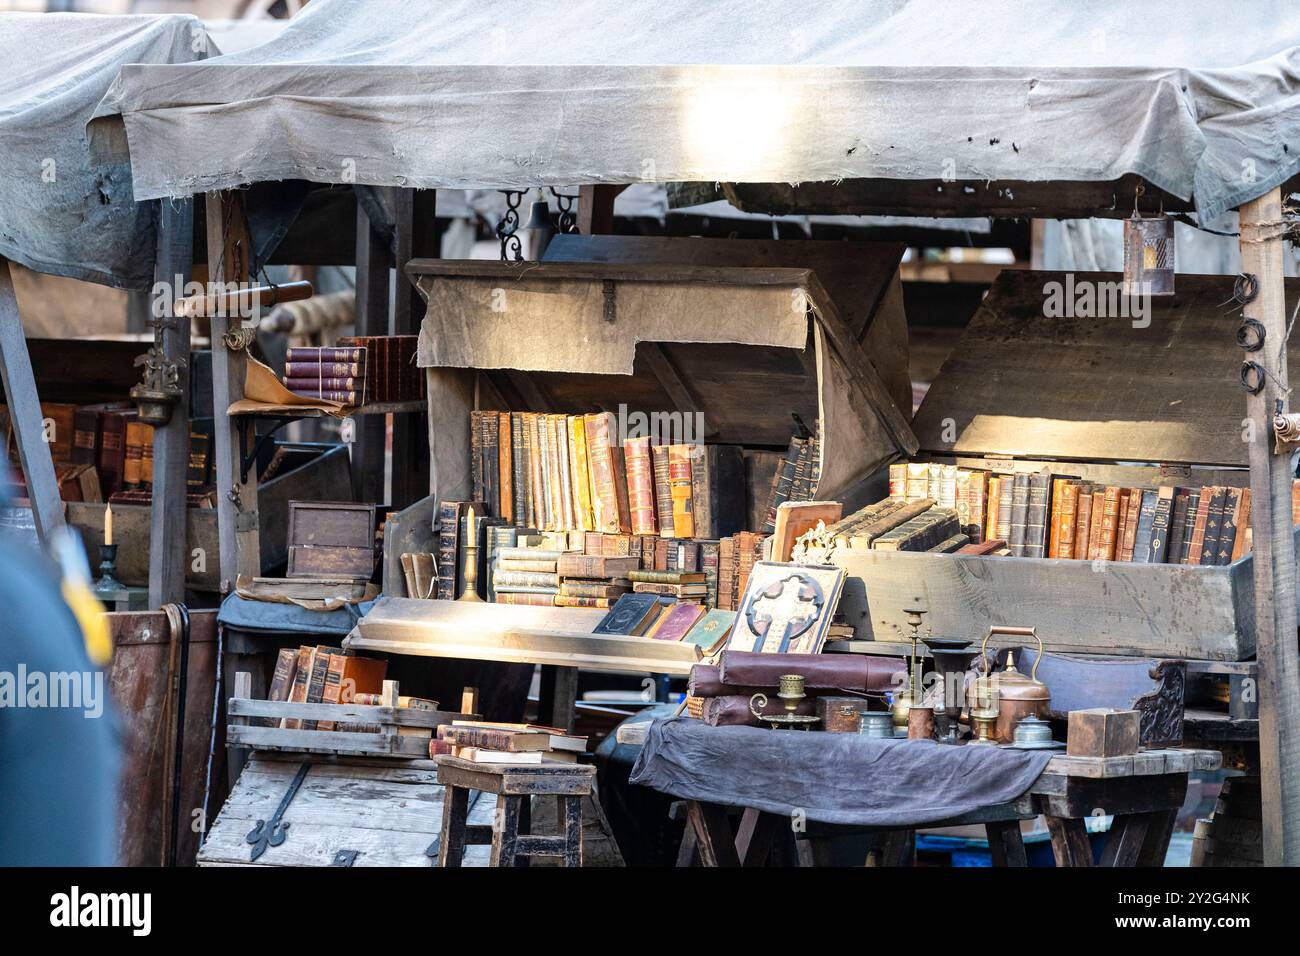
{"x": 133, "y": 461}
{"x": 327, "y": 353}
{"x": 709, "y": 566}
{"x": 1067, "y": 510}
{"x": 568, "y": 501}
{"x": 984, "y": 547}
{"x": 505, "y": 469}
{"x": 865, "y": 536}
{"x": 709, "y": 632}
{"x": 1006, "y": 496}
{"x": 1177, "y": 527}
{"x": 783, "y": 483}
{"x": 298, "y": 689}
{"x": 1035, "y": 542}
{"x": 477, "y": 435}
{"x": 992, "y": 507}
{"x": 918, "y": 481}
{"x": 518, "y": 472}
{"x": 674, "y": 622}
{"x": 679, "y": 486}
{"x": 581, "y": 467}
{"x": 286, "y": 664}
{"x": 641, "y": 500}
{"x": 1019, "y": 513}
{"x": 1124, "y": 495}
{"x": 1189, "y": 527}
{"x": 608, "y": 477}
{"x": 632, "y": 614}
{"x": 1196, "y": 545}
{"x": 315, "y": 371}
{"x": 663, "y": 492}
{"x": 1054, "y": 521}
{"x": 1214, "y": 526}
{"x": 146, "y": 457}
{"x": 726, "y": 573}
{"x": 1161, "y": 524}
{"x": 977, "y": 489}
{"x": 1096, "y": 522}
{"x": 536, "y": 433}
{"x": 1228, "y": 526}
{"x": 1083, "y": 520}
{"x": 898, "y": 480}
{"x": 921, "y": 533}
{"x": 596, "y": 566}
{"x": 1128, "y": 537}
{"x": 1242, "y": 520}
{"x": 1109, "y": 523}
{"x": 1146, "y": 521}
{"x": 528, "y": 598}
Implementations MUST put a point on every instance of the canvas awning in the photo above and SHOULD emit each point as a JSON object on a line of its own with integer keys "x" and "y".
{"x": 1199, "y": 97}
{"x": 61, "y": 213}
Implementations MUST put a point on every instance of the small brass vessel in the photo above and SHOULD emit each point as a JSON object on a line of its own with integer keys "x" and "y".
{"x": 790, "y": 690}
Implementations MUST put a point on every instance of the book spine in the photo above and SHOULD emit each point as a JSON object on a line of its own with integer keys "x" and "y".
{"x": 574, "y": 600}
{"x": 1035, "y": 545}
{"x": 1065, "y": 519}
{"x": 1006, "y": 497}
{"x": 528, "y": 598}
{"x": 448, "y": 530}
{"x": 1177, "y": 527}
{"x": 504, "y": 580}
{"x": 308, "y": 385}
{"x": 315, "y": 371}
{"x": 640, "y": 486}
{"x": 328, "y": 395}
{"x": 1109, "y": 523}
{"x": 1019, "y": 514}
{"x": 1228, "y": 527}
{"x": 586, "y": 512}
{"x": 519, "y": 471}
{"x": 663, "y": 491}
{"x": 679, "y": 482}
{"x": 325, "y": 354}
{"x": 1083, "y": 520}
{"x": 1189, "y": 529}
{"x": 782, "y": 484}
{"x": 1242, "y": 543}
{"x": 505, "y": 461}
{"x": 703, "y": 511}
{"x": 1213, "y": 526}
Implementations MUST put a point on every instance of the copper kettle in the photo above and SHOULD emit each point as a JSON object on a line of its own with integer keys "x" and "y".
{"x": 1009, "y": 692}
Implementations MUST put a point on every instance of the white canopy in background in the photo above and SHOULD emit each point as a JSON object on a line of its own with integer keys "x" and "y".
{"x": 1198, "y": 96}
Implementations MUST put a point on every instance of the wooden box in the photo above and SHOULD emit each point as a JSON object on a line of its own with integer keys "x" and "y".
{"x": 331, "y": 539}
{"x": 1142, "y": 402}
{"x": 1102, "y": 732}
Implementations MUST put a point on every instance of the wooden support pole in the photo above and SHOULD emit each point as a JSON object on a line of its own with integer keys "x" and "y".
{"x": 596, "y": 209}
{"x": 25, "y": 416}
{"x": 417, "y": 236}
{"x": 229, "y": 260}
{"x": 1274, "y": 550}
{"x": 369, "y": 431}
{"x": 168, "y": 550}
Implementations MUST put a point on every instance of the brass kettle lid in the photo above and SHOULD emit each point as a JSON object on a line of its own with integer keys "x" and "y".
{"x": 1013, "y": 685}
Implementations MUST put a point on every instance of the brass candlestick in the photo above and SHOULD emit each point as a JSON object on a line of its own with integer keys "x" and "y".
{"x": 906, "y": 699}
{"x": 469, "y": 573}
{"x": 790, "y": 691}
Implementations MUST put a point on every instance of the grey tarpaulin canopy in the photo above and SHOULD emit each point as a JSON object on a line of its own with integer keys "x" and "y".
{"x": 1197, "y": 96}
{"x": 59, "y": 213}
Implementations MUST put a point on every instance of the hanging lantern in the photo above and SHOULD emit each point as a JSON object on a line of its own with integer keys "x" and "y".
{"x": 1148, "y": 255}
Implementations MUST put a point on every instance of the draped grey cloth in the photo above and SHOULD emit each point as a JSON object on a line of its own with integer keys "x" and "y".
{"x": 831, "y": 778}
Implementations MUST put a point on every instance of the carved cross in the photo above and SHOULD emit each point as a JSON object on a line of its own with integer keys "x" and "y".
{"x": 783, "y": 611}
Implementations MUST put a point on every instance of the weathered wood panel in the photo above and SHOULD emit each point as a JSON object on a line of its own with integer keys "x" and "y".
{"x": 1108, "y": 608}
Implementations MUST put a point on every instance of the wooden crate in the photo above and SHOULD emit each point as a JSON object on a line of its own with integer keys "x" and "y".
{"x": 388, "y": 813}
{"x": 244, "y": 731}
{"x": 331, "y": 538}
{"x": 1087, "y": 397}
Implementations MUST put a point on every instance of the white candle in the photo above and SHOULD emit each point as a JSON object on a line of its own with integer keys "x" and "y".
{"x": 108, "y": 525}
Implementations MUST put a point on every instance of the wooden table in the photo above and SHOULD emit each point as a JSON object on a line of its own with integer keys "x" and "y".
{"x": 1143, "y": 793}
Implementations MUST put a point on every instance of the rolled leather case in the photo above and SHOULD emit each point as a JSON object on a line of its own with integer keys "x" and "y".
{"x": 732, "y": 710}
{"x": 827, "y": 672}
{"x": 705, "y": 680}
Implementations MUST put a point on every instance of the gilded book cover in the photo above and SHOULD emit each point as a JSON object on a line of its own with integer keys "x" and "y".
{"x": 787, "y": 608}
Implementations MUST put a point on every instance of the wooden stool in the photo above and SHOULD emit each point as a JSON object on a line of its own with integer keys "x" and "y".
{"x": 514, "y": 785}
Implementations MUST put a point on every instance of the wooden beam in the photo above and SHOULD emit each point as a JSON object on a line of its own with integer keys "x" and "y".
{"x": 168, "y": 557}
{"x": 596, "y": 209}
{"x": 417, "y": 234}
{"x": 369, "y": 431}
{"x": 25, "y": 416}
{"x": 230, "y": 254}
{"x": 1274, "y": 547}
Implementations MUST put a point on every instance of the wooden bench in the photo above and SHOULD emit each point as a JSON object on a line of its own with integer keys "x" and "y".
{"x": 515, "y": 786}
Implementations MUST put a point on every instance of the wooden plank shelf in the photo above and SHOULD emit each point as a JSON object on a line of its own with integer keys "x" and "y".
{"x": 371, "y": 408}
{"x": 247, "y": 730}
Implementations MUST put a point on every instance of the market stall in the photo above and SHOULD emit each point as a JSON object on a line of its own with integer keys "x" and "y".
{"x": 874, "y": 112}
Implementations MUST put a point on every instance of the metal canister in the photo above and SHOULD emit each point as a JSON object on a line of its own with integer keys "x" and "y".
{"x": 879, "y": 724}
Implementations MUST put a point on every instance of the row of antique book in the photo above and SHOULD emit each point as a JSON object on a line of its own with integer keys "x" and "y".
{"x": 529, "y": 566}
{"x": 318, "y": 674}
{"x": 101, "y": 450}
{"x": 570, "y": 473}
{"x": 357, "y": 370}
{"x": 1039, "y": 514}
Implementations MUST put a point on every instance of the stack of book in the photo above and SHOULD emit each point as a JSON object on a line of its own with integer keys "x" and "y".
{"x": 736, "y": 557}
{"x": 665, "y": 618}
{"x": 796, "y": 479}
{"x": 682, "y": 585}
{"x": 594, "y": 580}
{"x": 570, "y": 473}
{"x": 333, "y": 373}
{"x": 495, "y": 743}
